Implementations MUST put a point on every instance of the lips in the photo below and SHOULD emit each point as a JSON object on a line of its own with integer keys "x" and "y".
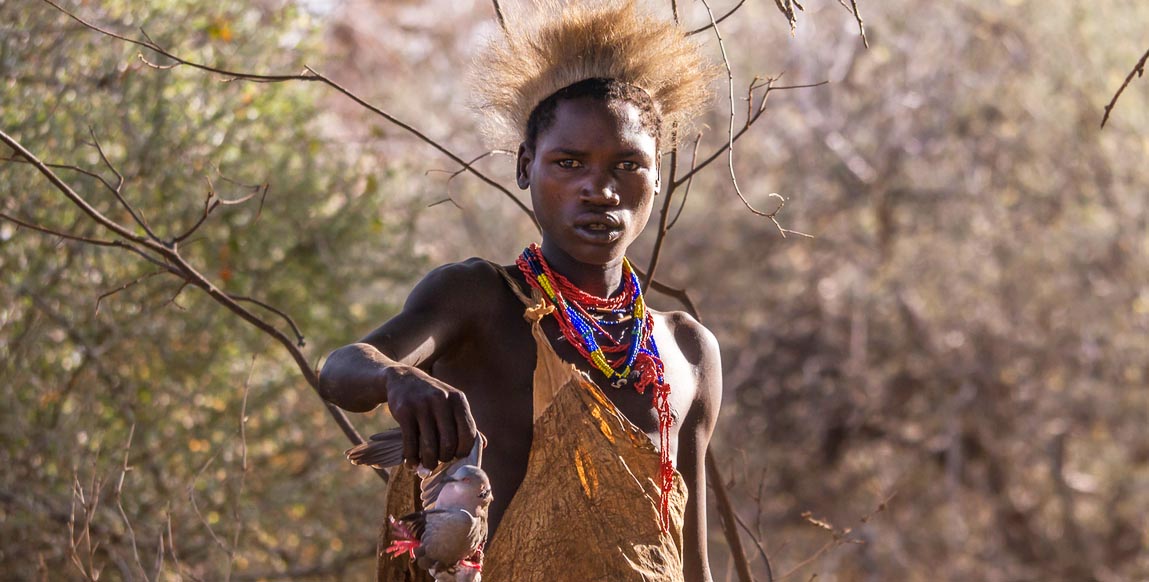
{"x": 598, "y": 228}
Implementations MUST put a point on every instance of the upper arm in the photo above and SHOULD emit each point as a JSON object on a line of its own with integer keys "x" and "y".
{"x": 700, "y": 346}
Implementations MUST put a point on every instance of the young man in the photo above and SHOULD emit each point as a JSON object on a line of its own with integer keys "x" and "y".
{"x": 597, "y": 411}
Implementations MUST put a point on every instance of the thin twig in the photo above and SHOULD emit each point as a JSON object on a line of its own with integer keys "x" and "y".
{"x": 243, "y": 470}
{"x": 294, "y": 328}
{"x": 118, "y": 496}
{"x": 125, "y": 287}
{"x": 757, "y": 542}
{"x": 191, "y": 497}
{"x": 46, "y": 230}
{"x": 1138, "y": 70}
{"x": 853, "y": 8}
{"x": 746, "y": 127}
{"x": 689, "y": 182}
{"x": 773, "y": 216}
{"x": 660, "y": 238}
{"x": 117, "y": 190}
{"x": 719, "y": 20}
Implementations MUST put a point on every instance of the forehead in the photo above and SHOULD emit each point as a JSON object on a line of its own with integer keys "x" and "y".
{"x": 588, "y": 124}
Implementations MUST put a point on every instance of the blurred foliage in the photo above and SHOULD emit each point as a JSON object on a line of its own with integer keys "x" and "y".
{"x": 967, "y": 333}
{"x": 173, "y": 364}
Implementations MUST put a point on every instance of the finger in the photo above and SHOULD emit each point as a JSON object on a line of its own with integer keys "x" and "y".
{"x": 464, "y": 424}
{"x": 410, "y": 429}
{"x": 428, "y": 440}
{"x": 445, "y": 424}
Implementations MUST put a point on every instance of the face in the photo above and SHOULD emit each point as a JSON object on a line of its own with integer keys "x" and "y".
{"x": 593, "y": 175}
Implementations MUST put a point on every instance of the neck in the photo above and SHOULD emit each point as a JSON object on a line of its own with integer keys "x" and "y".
{"x": 600, "y": 280}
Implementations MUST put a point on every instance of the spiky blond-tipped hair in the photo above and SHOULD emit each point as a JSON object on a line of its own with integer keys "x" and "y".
{"x": 557, "y": 44}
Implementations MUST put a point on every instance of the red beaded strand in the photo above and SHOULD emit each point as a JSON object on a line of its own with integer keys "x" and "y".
{"x": 647, "y": 365}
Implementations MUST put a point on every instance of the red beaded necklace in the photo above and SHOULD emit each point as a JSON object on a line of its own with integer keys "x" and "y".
{"x": 637, "y": 354}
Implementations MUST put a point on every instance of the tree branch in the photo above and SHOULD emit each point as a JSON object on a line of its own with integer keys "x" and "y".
{"x": 729, "y": 526}
{"x": 309, "y": 75}
{"x": 1138, "y": 70}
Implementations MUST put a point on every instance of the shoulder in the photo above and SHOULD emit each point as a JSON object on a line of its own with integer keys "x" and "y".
{"x": 697, "y": 343}
{"x": 464, "y": 283}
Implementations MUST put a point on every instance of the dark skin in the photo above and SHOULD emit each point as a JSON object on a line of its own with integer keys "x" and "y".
{"x": 460, "y": 356}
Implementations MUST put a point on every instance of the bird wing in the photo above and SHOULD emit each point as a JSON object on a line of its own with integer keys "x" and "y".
{"x": 449, "y": 535}
{"x": 385, "y": 449}
{"x": 381, "y": 451}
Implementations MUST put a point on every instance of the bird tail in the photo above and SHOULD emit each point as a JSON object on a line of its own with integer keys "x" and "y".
{"x": 381, "y": 451}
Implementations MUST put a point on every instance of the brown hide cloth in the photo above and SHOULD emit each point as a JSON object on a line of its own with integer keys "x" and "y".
{"x": 587, "y": 509}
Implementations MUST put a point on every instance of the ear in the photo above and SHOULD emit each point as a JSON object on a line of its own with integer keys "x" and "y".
{"x": 523, "y": 166}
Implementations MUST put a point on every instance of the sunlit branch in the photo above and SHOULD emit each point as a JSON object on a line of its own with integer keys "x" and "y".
{"x": 1138, "y": 70}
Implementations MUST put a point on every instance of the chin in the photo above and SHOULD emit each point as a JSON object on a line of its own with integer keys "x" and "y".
{"x": 594, "y": 253}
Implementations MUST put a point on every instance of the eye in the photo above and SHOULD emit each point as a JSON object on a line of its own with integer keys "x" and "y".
{"x": 569, "y": 164}
{"x": 628, "y": 166}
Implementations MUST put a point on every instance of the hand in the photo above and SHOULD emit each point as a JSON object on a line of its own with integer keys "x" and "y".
{"x": 434, "y": 417}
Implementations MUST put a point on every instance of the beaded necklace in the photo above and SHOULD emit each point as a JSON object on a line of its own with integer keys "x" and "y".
{"x": 633, "y": 357}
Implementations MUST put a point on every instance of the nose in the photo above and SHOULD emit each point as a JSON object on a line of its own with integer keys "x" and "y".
{"x": 600, "y": 188}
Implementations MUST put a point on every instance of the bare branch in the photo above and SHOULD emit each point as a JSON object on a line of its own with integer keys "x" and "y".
{"x": 148, "y": 44}
{"x": 176, "y": 264}
{"x": 757, "y": 542}
{"x": 1138, "y": 70}
{"x": 309, "y": 75}
{"x": 715, "y": 23}
{"x": 70, "y": 193}
{"x": 294, "y": 328}
{"x": 243, "y": 470}
{"x": 46, "y": 230}
{"x": 125, "y": 287}
{"x": 435, "y": 144}
{"x": 117, "y": 190}
{"x": 853, "y": 8}
{"x": 726, "y": 511}
{"x": 749, "y": 122}
{"x": 118, "y": 496}
{"x": 689, "y": 182}
{"x": 773, "y": 216}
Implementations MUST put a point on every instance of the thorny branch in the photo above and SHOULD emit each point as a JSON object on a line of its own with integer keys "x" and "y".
{"x": 1138, "y": 70}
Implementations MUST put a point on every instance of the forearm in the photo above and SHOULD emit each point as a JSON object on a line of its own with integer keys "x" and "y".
{"x": 355, "y": 377}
